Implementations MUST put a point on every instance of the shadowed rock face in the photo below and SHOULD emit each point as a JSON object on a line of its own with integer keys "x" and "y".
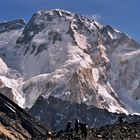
{"x": 55, "y": 113}
{"x": 15, "y": 123}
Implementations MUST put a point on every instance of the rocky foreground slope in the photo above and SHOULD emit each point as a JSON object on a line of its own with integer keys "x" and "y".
{"x": 124, "y": 131}
{"x": 16, "y": 124}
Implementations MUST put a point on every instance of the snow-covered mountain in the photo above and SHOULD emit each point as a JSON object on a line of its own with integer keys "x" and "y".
{"x": 70, "y": 57}
{"x": 9, "y": 76}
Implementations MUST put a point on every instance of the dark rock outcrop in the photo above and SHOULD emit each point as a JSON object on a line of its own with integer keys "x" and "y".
{"x": 15, "y": 123}
{"x": 55, "y": 113}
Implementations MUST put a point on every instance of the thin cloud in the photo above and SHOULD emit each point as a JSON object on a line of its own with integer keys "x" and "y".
{"x": 96, "y": 17}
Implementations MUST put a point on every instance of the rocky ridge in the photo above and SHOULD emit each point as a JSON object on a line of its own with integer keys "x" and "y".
{"x": 57, "y": 111}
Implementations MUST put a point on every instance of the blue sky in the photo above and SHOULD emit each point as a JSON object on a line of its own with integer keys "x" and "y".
{"x": 121, "y": 14}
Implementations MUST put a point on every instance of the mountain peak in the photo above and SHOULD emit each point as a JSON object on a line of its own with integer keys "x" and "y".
{"x": 58, "y": 12}
{"x": 50, "y": 14}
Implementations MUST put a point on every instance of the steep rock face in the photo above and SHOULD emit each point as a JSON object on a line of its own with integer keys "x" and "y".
{"x": 123, "y": 71}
